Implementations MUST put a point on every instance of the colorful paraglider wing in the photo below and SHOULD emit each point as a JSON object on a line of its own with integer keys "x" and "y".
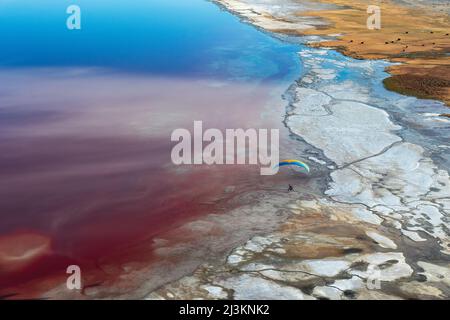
{"x": 297, "y": 163}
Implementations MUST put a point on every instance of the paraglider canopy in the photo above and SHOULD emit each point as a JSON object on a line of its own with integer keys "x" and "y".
{"x": 296, "y": 163}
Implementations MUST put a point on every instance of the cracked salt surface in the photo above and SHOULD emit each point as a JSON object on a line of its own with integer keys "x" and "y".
{"x": 273, "y": 15}
{"x": 249, "y": 287}
{"x": 383, "y": 241}
{"x": 377, "y": 167}
{"x": 386, "y": 206}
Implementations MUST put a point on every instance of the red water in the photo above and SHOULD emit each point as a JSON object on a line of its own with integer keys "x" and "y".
{"x": 85, "y": 168}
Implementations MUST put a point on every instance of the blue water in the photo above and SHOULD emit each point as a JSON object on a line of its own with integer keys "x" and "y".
{"x": 93, "y": 187}
{"x": 160, "y": 37}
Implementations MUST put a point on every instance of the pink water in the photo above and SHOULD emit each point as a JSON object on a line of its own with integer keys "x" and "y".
{"x": 86, "y": 172}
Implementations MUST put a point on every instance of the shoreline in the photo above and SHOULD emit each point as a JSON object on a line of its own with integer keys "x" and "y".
{"x": 330, "y": 244}
{"x": 419, "y": 44}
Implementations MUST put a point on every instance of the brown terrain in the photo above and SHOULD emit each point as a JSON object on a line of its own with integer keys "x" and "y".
{"x": 420, "y": 42}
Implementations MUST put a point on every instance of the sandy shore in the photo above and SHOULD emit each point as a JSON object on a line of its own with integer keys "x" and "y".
{"x": 414, "y": 35}
{"x": 380, "y": 228}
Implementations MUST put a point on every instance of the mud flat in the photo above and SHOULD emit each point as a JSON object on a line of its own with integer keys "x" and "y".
{"x": 380, "y": 229}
